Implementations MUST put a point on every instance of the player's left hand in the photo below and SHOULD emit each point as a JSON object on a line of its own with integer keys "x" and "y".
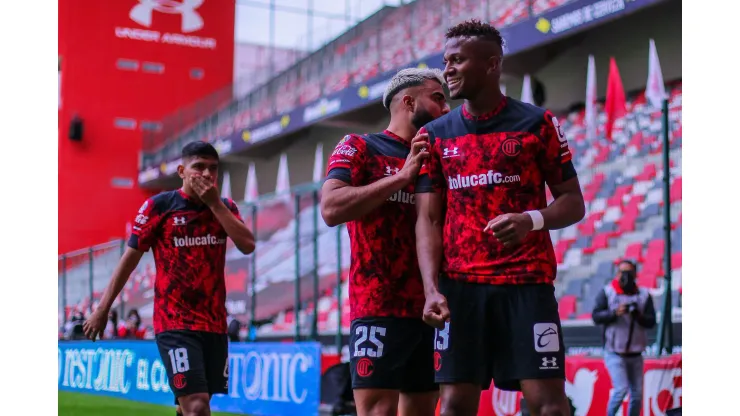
{"x": 205, "y": 189}
{"x": 510, "y": 229}
{"x": 95, "y": 324}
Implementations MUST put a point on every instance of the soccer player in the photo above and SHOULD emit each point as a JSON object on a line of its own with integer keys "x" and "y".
{"x": 187, "y": 229}
{"x": 482, "y": 238}
{"x": 370, "y": 185}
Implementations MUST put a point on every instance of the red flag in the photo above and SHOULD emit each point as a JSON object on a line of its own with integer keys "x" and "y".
{"x": 616, "y": 102}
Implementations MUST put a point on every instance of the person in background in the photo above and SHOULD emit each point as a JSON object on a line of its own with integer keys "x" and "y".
{"x": 111, "y": 329}
{"x": 233, "y": 326}
{"x": 73, "y": 328}
{"x": 626, "y": 311}
{"x": 132, "y": 328}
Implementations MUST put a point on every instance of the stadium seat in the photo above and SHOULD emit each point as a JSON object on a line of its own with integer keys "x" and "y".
{"x": 621, "y": 183}
{"x": 567, "y": 306}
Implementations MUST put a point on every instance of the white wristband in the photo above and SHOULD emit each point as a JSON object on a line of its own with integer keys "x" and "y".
{"x": 537, "y": 220}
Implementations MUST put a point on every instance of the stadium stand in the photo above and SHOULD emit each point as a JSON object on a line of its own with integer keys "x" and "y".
{"x": 381, "y": 43}
{"x": 622, "y": 185}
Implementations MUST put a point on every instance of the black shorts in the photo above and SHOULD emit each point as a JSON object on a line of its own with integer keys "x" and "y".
{"x": 196, "y": 361}
{"x": 506, "y": 333}
{"x": 392, "y": 353}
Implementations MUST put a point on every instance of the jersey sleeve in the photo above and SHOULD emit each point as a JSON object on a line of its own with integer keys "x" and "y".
{"x": 430, "y": 175}
{"x": 347, "y": 159}
{"x": 233, "y": 208}
{"x": 556, "y": 161}
{"x": 146, "y": 225}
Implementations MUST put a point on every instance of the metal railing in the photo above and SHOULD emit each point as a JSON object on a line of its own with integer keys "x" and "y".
{"x": 298, "y": 261}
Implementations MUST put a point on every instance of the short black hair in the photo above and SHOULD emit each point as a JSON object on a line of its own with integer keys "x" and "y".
{"x": 630, "y": 262}
{"x": 199, "y": 149}
{"x": 474, "y": 28}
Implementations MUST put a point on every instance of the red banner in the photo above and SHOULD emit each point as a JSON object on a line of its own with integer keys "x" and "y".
{"x": 588, "y": 385}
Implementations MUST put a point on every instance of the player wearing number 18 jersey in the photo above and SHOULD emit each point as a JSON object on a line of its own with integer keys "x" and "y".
{"x": 484, "y": 250}
{"x": 187, "y": 230}
{"x": 369, "y": 185}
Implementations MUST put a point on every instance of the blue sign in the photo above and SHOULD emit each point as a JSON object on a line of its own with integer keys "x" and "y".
{"x": 557, "y": 23}
{"x": 566, "y": 20}
{"x": 264, "y": 378}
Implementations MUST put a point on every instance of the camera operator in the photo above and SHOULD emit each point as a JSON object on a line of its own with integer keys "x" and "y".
{"x": 627, "y": 312}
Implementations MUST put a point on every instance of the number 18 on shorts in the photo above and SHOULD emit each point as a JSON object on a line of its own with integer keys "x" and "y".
{"x": 196, "y": 362}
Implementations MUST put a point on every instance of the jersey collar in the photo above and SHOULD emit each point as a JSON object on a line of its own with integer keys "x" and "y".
{"x": 395, "y": 136}
{"x": 485, "y": 116}
{"x": 189, "y": 198}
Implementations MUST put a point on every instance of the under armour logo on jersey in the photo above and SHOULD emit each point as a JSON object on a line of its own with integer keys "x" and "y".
{"x": 450, "y": 152}
{"x": 551, "y": 362}
{"x": 191, "y": 20}
{"x": 180, "y": 220}
{"x": 391, "y": 171}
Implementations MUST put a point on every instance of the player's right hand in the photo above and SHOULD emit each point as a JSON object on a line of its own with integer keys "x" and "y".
{"x": 436, "y": 311}
{"x": 418, "y": 154}
{"x": 95, "y": 324}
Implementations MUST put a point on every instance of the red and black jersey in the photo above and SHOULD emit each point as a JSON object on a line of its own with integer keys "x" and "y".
{"x": 189, "y": 255}
{"x": 490, "y": 165}
{"x": 384, "y": 272}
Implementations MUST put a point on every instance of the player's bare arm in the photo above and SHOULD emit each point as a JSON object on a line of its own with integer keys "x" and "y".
{"x": 567, "y": 209}
{"x": 341, "y": 202}
{"x": 235, "y": 229}
{"x": 95, "y": 324}
{"x": 429, "y": 222}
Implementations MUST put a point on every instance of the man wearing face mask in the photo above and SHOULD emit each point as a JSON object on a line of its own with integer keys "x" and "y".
{"x": 627, "y": 312}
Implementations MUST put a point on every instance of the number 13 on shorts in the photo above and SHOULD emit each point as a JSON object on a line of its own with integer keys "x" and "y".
{"x": 179, "y": 360}
{"x": 442, "y": 338}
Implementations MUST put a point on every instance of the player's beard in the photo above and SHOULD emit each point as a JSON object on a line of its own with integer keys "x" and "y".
{"x": 421, "y": 117}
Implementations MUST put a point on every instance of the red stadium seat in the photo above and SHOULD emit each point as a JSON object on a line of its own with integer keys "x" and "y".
{"x": 560, "y": 248}
{"x": 676, "y": 260}
{"x": 648, "y": 173}
{"x": 647, "y": 279}
{"x": 600, "y": 242}
{"x": 676, "y": 190}
{"x": 567, "y": 306}
{"x": 634, "y": 252}
{"x": 616, "y": 199}
{"x": 588, "y": 226}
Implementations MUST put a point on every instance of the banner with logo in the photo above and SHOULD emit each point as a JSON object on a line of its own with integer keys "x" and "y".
{"x": 588, "y": 386}
{"x": 264, "y": 378}
{"x": 566, "y": 20}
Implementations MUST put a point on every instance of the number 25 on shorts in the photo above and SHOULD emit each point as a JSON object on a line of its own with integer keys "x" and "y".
{"x": 362, "y": 333}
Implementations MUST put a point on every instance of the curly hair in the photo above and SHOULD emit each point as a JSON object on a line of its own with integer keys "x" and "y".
{"x": 475, "y": 28}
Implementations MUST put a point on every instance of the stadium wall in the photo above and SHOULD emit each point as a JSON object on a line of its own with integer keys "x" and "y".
{"x": 124, "y": 67}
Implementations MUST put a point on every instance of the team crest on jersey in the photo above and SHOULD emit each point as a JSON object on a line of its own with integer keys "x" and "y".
{"x": 344, "y": 140}
{"x": 143, "y": 207}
